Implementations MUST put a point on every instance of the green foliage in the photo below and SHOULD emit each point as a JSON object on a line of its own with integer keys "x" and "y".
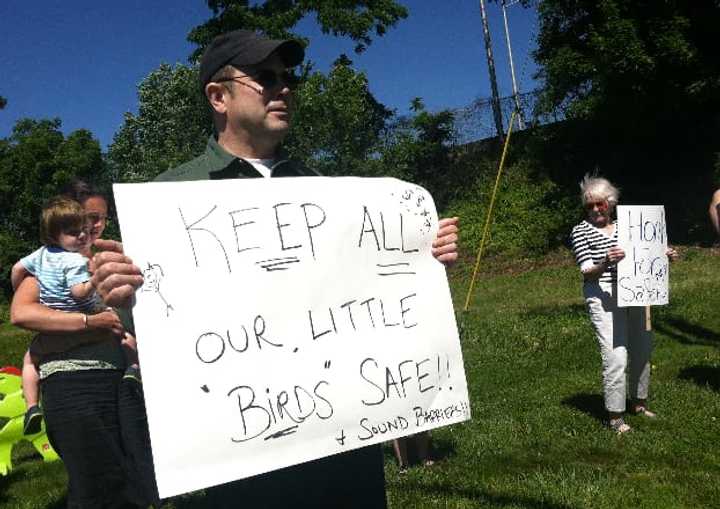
{"x": 418, "y": 149}
{"x": 530, "y": 216}
{"x": 36, "y": 161}
{"x": 357, "y": 19}
{"x": 639, "y": 82}
{"x": 171, "y": 127}
{"x": 629, "y": 63}
{"x": 337, "y": 122}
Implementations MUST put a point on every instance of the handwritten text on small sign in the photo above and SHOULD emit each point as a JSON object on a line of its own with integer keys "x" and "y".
{"x": 643, "y": 273}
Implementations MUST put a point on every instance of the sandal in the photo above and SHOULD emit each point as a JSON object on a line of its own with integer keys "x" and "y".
{"x": 619, "y": 426}
{"x": 642, "y": 410}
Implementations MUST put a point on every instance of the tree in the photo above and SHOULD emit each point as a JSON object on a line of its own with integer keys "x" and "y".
{"x": 337, "y": 119}
{"x": 36, "y": 162}
{"x": 634, "y": 65}
{"x": 639, "y": 82}
{"x": 338, "y": 123}
{"x": 172, "y": 125}
{"x": 355, "y": 19}
{"x": 418, "y": 149}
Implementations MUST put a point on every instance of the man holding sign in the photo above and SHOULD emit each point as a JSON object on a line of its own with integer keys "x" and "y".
{"x": 246, "y": 81}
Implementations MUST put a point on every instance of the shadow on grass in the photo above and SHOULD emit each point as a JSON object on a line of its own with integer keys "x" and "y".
{"x": 12, "y": 477}
{"x": 591, "y": 404}
{"x": 576, "y": 309}
{"x": 704, "y": 376}
{"x": 20, "y": 475}
{"x": 482, "y": 497}
{"x": 687, "y": 333}
{"x": 60, "y": 504}
{"x": 441, "y": 449}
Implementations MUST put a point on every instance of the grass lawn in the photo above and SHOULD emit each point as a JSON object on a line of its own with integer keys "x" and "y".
{"x": 537, "y": 437}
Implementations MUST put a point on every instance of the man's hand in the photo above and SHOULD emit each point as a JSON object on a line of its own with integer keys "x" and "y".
{"x": 115, "y": 277}
{"x": 108, "y": 320}
{"x": 445, "y": 245}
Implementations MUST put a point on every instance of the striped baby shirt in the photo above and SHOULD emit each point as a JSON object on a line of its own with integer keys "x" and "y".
{"x": 57, "y": 270}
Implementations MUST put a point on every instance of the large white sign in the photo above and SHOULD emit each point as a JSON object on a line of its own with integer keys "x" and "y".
{"x": 284, "y": 320}
{"x": 643, "y": 273}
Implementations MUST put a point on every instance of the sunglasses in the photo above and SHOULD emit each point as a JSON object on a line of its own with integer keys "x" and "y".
{"x": 267, "y": 79}
{"x": 601, "y": 205}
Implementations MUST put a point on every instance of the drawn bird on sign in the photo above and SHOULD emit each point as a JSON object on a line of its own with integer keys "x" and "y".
{"x": 153, "y": 275}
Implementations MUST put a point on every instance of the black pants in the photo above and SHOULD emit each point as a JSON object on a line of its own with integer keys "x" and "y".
{"x": 352, "y": 480}
{"x": 83, "y": 412}
{"x": 136, "y": 441}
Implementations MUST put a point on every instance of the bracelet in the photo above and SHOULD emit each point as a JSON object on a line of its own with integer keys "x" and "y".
{"x": 85, "y": 321}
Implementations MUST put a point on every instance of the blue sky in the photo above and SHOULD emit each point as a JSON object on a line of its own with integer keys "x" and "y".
{"x": 81, "y": 60}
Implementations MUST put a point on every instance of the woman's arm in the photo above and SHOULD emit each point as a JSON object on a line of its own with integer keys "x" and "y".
{"x": 594, "y": 273}
{"x": 614, "y": 255}
{"x": 27, "y": 312}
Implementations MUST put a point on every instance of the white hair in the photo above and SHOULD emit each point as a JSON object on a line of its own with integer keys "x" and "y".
{"x": 598, "y": 188}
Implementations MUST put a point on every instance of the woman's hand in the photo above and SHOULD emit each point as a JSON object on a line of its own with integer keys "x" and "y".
{"x": 672, "y": 254}
{"x": 108, "y": 320}
{"x": 614, "y": 254}
{"x": 28, "y": 313}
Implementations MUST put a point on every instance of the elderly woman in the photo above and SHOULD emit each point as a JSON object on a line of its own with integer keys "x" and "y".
{"x": 620, "y": 332}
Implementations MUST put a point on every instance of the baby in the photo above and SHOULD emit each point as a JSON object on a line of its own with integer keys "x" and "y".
{"x": 60, "y": 267}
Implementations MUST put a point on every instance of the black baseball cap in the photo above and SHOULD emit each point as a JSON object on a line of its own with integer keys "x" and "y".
{"x": 244, "y": 48}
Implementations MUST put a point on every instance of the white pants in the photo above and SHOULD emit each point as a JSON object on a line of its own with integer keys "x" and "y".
{"x": 620, "y": 333}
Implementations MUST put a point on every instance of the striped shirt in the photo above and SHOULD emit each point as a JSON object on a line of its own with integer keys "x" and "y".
{"x": 57, "y": 270}
{"x": 590, "y": 246}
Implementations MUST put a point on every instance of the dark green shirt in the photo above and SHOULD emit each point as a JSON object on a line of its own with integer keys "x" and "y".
{"x": 217, "y": 163}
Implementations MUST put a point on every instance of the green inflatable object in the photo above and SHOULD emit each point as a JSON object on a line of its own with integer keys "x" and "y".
{"x": 12, "y": 407}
